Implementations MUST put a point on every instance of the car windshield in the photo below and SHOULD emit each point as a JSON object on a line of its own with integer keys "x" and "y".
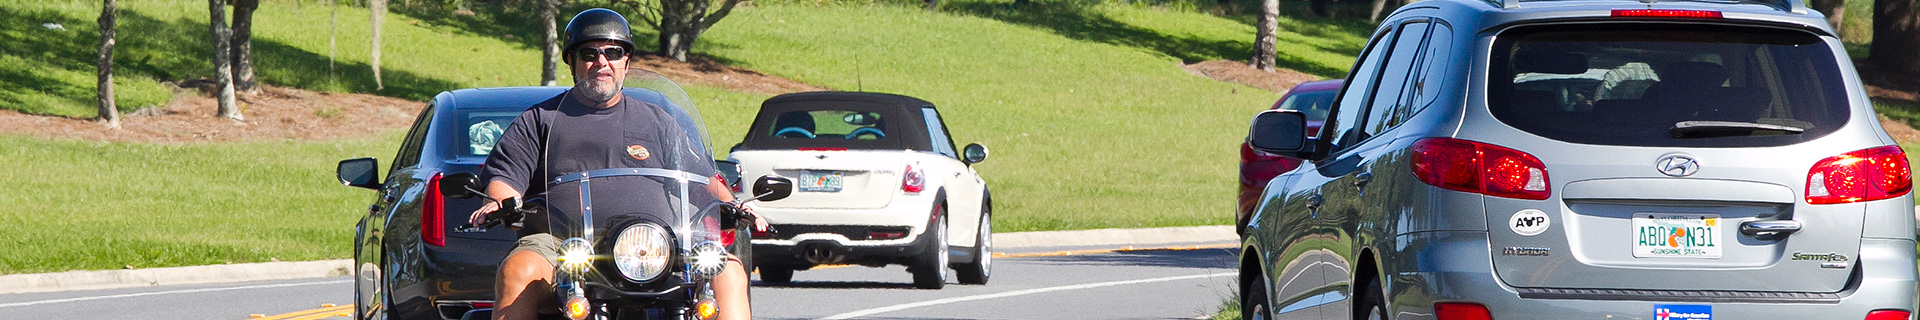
{"x": 1666, "y": 84}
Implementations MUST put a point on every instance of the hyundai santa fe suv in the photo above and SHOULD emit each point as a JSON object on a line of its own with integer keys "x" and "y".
{"x": 1588, "y": 160}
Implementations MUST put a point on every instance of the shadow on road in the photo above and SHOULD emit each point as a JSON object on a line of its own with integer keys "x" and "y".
{"x": 1198, "y": 259}
{"x": 837, "y": 285}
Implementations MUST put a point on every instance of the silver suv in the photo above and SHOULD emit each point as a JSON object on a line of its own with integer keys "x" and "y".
{"x": 1592, "y": 160}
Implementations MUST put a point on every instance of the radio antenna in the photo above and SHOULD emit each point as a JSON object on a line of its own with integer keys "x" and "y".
{"x": 858, "y": 85}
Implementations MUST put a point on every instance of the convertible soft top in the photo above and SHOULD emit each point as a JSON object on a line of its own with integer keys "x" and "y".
{"x": 840, "y": 120}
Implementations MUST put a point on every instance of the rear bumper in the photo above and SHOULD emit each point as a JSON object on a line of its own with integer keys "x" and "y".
{"x": 454, "y": 278}
{"x": 846, "y": 234}
{"x": 1453, "y": 267}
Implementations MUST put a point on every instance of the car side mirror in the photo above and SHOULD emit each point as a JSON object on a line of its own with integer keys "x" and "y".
{"x": 1281, "y": 132}
{"x": 361, "y": 172}
{"x": 973, "y": 153}
{"x": 772, "y": 188}
{"x": 459, "y": 185}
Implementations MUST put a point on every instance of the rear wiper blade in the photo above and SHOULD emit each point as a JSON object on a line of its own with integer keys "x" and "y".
{"x": 1708, "y": 129}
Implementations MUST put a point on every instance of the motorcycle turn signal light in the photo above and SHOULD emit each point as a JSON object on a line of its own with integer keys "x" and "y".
{"x": 577, "y": 308}
{"x": 705, "y": 308}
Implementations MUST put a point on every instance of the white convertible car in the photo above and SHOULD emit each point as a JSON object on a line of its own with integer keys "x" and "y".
{"x": 879, "y": 183}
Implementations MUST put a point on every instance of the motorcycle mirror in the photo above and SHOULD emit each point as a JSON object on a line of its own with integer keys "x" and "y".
{"x": 772, "y": 188}
{"x": 459, "y": 185}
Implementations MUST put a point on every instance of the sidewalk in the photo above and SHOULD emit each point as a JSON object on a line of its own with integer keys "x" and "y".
{"x": 108, "y": 279}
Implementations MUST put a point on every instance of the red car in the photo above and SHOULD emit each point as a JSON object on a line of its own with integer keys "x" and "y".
{"x": 1312, "y": 98}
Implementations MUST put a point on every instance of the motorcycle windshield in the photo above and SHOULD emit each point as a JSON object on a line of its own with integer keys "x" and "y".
{"x": 670, "y": 195}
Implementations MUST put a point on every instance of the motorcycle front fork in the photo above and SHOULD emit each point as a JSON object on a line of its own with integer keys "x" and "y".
{"x": 575, "y": 305}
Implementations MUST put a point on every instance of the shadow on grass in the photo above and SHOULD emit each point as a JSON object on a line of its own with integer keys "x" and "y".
{"x": 170, "y": 51}
{"x": 518, "y": 22}
{"x": 1074, "y": 19}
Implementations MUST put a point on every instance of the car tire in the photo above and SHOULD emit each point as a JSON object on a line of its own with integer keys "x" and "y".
{"x": 1254, "y": 304}
{"x": 978, "y": 271}
{"x": 1373, "y": 306}
{"x": 776, "y": 275}
{"x": 930, "y": 268}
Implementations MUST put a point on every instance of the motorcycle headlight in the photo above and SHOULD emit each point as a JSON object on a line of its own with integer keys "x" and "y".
{"x": 641, "y": 252}
{"x": 576, "y": 255}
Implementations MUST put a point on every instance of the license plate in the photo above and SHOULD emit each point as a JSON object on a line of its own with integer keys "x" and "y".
{"x": 819, "y": 181}
{"x": 1676, "y": 235}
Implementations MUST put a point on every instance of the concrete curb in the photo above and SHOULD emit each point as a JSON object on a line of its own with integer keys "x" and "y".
{"x": 1108, "y": 237}
{"x": 110, "y": 279}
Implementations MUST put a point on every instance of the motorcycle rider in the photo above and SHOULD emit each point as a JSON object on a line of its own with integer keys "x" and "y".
{"x": 598, "y": 49}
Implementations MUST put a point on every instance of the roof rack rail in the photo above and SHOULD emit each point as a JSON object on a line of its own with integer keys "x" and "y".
{"x": 1793, "y": 6}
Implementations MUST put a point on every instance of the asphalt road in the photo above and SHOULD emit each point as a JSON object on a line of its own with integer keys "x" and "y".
{"x": 1032, "y": 283}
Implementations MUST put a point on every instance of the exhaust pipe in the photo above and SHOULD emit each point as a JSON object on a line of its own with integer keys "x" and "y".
{"x": 821, "y": 253}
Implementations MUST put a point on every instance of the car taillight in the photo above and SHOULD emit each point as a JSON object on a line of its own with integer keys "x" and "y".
{"x": 1666, "y": 13}
{"x": 1248, "y": 155}
{"x": 433, "y": 223}
{"x": 914, "y": 180}
{"x": 1888, "y": 315}
{"x": 1470, "y": 166}
{"x": 1864, "y": 175}
{"x": 1461, "y": 311}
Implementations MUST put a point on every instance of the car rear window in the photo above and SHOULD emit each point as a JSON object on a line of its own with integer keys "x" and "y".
{"x": 481, "y": 130}
{"x": 1677, "y": 85}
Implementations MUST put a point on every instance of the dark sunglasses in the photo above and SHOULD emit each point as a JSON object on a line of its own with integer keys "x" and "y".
{"x": 590, "y": 54}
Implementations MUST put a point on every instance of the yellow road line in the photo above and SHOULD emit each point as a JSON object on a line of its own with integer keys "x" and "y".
{"x": 321, "y": 313}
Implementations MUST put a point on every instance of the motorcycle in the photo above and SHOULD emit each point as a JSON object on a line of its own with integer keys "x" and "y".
{"x": 637, "y": 243}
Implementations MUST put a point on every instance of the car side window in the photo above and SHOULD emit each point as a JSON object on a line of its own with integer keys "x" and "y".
{"x": 1389, "y": 106}
{"x": 1438, "y": 57}
{"x": 937, "y": 131}
{"x": 1343, "y": 130}
{"x": 416, "y": 138}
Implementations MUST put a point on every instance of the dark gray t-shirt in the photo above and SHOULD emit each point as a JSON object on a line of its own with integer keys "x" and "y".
{"x": 576, "y": 137}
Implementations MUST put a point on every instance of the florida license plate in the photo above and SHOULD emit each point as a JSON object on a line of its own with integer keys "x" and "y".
{"x": 1676, "y": 235}
{"x": 819, "y": 181}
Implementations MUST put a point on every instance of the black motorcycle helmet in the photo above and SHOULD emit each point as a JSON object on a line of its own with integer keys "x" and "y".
{"x": 597, "y": 24}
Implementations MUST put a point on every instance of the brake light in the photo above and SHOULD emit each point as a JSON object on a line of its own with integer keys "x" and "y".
{"x": 433, "y": 223}
{"x": 1887, "y": 315}
{"x": 1864, "y": 175}
{"x": 1461, "y": 311}
{"x": 1666, "y": 13}
{"x": 914, "y": 180}
{"x": 1470, "y": 166}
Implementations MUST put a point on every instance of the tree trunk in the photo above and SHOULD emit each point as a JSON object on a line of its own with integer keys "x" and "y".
{"x": 379, "y": 8}
{"x": 1896, "y": 37}
{"x": 549, "y": 44}
{"x": 1835, "y": 11}
{"x": 1382, "y": 8}
{"x": 109, "y": 113}
{"x": 222, "y": 50}
{"x": 1263, "y": 42}
{"x": 934, "y": 5}
{"x": 243, "y": 45}
{"x": 682, "y": 22}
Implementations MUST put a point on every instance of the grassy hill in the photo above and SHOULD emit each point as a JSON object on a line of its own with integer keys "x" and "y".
{"x": 1092, "y": 123}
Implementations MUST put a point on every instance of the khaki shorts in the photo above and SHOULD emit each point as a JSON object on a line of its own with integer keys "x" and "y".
{"x": 543, "y": 244}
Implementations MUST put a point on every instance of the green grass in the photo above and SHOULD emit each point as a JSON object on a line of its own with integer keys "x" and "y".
{"x": 1085, "y": 134}
{"x": 95, "y": 205}
{"x": 1092, "y": 123}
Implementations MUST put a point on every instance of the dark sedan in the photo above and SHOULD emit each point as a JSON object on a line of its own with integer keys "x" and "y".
{"x": 1314, "y": 99}
{"x": 412, "y": 260}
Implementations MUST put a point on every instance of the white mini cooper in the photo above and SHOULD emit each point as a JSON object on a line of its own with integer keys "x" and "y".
{"x": 879, "y": 183}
